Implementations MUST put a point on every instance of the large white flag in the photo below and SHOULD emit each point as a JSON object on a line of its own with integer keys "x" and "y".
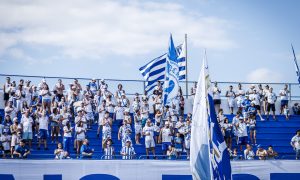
{"x": 209, "y": 158}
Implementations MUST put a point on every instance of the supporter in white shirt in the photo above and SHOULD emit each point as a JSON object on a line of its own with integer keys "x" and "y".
{"x": 230, "y": 94}
{"x": 295, "y": 143}
{"x": 249, "y": 153}
{"x": 242, "y": 133}
{"x": 28, "y": 92}
{"x": 20, "y": 96}
{"x": 193, "y": 89}
{"x": 110, "y": 105}
{"x": 265, "y": 98}
{"x": 5, "y": 139}
{"x": 10, "y": 110}
{"x": 284, "y": 95}
{"x": 6, "y": 90}
{"x": 165, "y": 137}
{"x": 216, "y": 96}
{"x": 180, "y": 125}
{"x": 255, "y": 98}
{"x": 144, "y": 112}
{"x": 119, "y": 92}
{"x": 251, "y": 89}
{"x": 271, "y": 99}
{"x": 240, "y": 96}
{"x": 27, "y": 123}
{"x": 148, "y": 132}
{"x": 43, "y": 120}
{"x": 174, "y": 115}
{"x": 80, "y": 136}
{"x": 119, "y": 113}
{"x": 67, "y": 136}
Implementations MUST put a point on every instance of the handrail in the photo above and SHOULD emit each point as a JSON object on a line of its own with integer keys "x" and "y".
{"x": 114, "y": 157}
{"x": 166, "y": 156}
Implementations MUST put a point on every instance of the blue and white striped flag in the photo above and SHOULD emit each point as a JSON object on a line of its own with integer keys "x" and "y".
{"x": 209, "y": 158}
{"x": 155, "y": 70}
{"x": 182, "y": 61}
{"x": 171, "y": 86}
{"x": 296, "y": 65}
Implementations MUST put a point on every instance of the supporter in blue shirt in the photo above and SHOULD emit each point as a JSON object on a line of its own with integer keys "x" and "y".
{"x": 85, "y": 150}
{"x": 252, "y": 110}
{"x": 22, "y": 151}
{"x": 246, "y": 103}
{"x": 93, "y": 86}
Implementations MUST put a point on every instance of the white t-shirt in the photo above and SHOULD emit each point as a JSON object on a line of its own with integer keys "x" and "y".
{"x": 6, "y": 145}
{"x": 43, "y": 122}
{"x": 255, "y": 98}
{"x": 296, "y": 141}
{"x": 242, "y": 130}
{"x": 180, "y": 126}
{"x": 216, "y": 93}
{"x": 68, "y": 134}
{"x": 166, "y": 135}
{"x": 82, "y": 134}
{"x": 27, "y": 124}
{"x": 283, "y": 94}
{"x": 271, "y": 97}
{"x": 119, "y": 112}
{"x": 149, "y": 131}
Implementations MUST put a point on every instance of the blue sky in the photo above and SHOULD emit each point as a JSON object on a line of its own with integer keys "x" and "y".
{"x": 246, "y": 41}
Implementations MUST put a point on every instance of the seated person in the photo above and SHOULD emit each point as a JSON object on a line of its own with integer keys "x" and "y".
{"x": 271, "y": 154}
{"x": 296, "y": 109}
{"x": 127, "y": 151}
{"x": 261, "y": 153}
{"x": 22, "y": 151}
{"x": 60, "y": 153}
{"x": 248, "y": 153}
{"x": 85, "y": 150}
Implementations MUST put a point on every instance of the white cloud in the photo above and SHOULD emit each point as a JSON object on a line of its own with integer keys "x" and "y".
{"x": 262, "y": 75}
{"x": 93, "y": 28}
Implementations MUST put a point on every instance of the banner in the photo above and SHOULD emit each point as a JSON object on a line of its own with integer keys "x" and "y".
{"x": 137, "y": 169}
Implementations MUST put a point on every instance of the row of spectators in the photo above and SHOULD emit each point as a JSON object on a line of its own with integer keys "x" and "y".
{"x": 31, "y": 109}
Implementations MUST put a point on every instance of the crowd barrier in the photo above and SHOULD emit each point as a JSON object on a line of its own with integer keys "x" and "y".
{"x": 138, "y": 169}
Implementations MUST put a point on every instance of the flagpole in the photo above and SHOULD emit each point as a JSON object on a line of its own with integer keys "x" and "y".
{"x": 186, "y": 68}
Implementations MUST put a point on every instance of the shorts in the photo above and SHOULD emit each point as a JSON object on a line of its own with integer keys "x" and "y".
{"x": 257, "y": 107}
{"x": 217, "y": 101}
{"x": 150, "y": 143}
{"x": 80, "y": 138}
{"x": 59, "y": 96}
{"x": 231, "y": 103}
{"x": 228, "y": 134}
{"x": 138, "y": 129}
{"x": 43, "y": 133}
{"x": 187, "y": 144}
{"x": 90, "y": 116}
{"x": 165, "y": 146}
{"x": 27, "y": 135}
{"x": 284, "y": 102}
{"x": 252, "y": 128}
{"x": 6, "y": 96}
{"x": 271, "y": 107}
{"x": 243, "y": 140}
{"x": 46, "y": 100}
{"x": 14, "y": 140}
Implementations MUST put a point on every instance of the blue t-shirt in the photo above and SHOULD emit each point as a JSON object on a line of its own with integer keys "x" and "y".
{"x": 86, "y": 149}
{"x": 22, "y": 150}
{"x": 246, "y": 104}
{"x": 252, "y": 110}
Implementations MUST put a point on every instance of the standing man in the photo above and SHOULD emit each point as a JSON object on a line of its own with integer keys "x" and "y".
{"x": 217, "y": 97}
{"x": 271, "y": 99}
{"x": 284, "y": 93}
{"x": 165, "y": 136}
{"x": 148, "y": 132}
{"x": 295, "y": 143}
{"x": 26, "y": 124}
{"x": 6, "y": 90}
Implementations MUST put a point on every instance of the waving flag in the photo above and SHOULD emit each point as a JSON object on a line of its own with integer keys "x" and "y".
{"x": 172, "y": 74}
{"x": 296, "y": 65}
{"x": 182, "y": 61}
{"x": 209, "y": 158}
{"x": 155, "y": 70}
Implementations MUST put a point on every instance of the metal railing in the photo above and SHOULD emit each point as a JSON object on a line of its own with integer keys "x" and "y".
{"x": 138, "y": 86}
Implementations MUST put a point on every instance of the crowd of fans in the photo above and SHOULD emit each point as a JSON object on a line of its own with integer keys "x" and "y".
{"x": 70, "y": 112}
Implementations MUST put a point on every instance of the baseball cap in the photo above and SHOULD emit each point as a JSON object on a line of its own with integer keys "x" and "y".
{"x": 167, "y": 123}
{"x": 79, "y": 109}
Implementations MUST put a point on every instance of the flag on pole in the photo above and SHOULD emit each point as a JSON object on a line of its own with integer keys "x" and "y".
{"x": 171, "y": 85}
{"x": 182, "y": 61}
{"x": 296, "y": 64}
{"x": 155, "y": 70}
{"x": 209, "y": 158}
